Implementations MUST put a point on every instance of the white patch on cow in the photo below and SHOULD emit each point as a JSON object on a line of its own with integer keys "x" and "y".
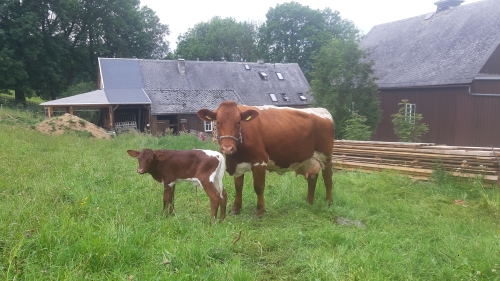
{"x": 217, "y": 175}
{"x": 260, "y": 164}
{"x": 317, "y": 157}
{"x": 242, "y": 168}
{"x": 194, "y": 181}
{"x": 320, "y": 112}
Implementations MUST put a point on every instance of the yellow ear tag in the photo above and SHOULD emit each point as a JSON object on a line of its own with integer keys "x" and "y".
{"x": 248, "y": 118}
{"x": 208, "y": 118}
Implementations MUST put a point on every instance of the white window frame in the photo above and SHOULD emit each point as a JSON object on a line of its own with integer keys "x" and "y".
{"x": 410, "y": 109}
{"x": 208, "y": 126}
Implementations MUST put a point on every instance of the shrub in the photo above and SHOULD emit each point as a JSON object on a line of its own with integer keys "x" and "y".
{"x": 408, "y": 128}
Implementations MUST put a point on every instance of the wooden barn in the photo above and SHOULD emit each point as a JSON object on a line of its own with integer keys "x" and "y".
{"x": 447, "y": 65}
{"x": 164, "y": 95}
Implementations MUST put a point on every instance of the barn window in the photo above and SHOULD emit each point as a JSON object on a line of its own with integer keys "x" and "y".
{"x": 410, "y": 113}
{"x": 208, "y": 126}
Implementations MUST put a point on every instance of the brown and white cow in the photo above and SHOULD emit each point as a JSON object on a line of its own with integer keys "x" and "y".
{"x": 277, "y": 139}
{"x": 200, "y": 167}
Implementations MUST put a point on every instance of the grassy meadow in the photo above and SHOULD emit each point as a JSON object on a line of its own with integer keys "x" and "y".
{"x": 74, "y": 208}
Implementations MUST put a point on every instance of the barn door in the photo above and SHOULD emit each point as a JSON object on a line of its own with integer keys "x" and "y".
{"x": 162, "y": 126}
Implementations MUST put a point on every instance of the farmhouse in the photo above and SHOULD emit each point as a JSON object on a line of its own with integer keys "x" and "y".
{"x": 447, "y": 65}
{"x": 166, "y": 94}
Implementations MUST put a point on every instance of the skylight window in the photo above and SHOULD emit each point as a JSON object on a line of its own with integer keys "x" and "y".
{"x": 280, "y": 77}
{"x": 263, "y": 75}
{"x": 302, "y": 97}
{"x": 284, "y": 96}
{"x": 273, "y": 97}
{"x": 247, "y": 67}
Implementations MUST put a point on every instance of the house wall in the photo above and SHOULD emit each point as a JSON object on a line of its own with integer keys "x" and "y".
{"x": 454, "y": 116}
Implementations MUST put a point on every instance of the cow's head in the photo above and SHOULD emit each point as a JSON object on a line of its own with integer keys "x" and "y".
{"x": 147, "y": 158}
{"x": 228, "y": 118}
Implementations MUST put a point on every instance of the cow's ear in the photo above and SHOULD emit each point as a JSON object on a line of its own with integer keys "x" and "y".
{"x": 249, "y": 115}
{"x": 160, "y": 156}
{"x": 206, "y": 114}
{"x": 133, "y": 153}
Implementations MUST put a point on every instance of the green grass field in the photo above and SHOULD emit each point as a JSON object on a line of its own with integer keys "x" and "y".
{"x": 74, "y": 208}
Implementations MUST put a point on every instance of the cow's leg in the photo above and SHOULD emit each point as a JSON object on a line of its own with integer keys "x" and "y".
{"x": 311, "y": 188}
{"x": 214, "y": 197}
{"x": 259, "y": 184}
{"x": 168, "y": 198}
{"x": 327, "y": 177}
{"x": 223, "y": 204}
{"x": 238, "y": 185}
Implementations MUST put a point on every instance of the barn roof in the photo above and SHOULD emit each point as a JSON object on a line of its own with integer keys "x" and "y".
{"x": 188, "y": 101}
{"x": 444, "y": 48}
{"x": 178, "y": 86}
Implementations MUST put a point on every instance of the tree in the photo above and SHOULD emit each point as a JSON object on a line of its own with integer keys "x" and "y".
{"x": 293, "y": 33}
{"x": 408, "y": 124}
{"x": 343, "y": 83}
{"x": 218, "y": 40}
{"x": 46, "y": 46}
{"x": 356, "y": 128}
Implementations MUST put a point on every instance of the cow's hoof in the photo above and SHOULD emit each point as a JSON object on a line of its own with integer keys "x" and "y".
{"x": 234, "y": 212}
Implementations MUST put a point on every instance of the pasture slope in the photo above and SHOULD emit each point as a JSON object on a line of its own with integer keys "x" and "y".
{"x": 72, "y": 207}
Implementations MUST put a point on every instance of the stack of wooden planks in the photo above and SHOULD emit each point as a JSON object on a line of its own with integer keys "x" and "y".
{"x": 417, "y": 160}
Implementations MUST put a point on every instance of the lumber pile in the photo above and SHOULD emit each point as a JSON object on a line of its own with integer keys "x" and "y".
{"x": 417, "y": 160}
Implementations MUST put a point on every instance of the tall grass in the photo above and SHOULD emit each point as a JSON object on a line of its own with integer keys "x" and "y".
{"x": 74, "y": 208}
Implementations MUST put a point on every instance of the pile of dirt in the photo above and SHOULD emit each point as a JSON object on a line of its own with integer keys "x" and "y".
{"x": 71, "y": 123}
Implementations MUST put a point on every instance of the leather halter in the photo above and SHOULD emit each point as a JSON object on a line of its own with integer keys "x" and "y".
{"x": 238, "y": 140}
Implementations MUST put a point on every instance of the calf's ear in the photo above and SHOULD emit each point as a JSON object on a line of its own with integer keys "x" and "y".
{"x": 206, "y": 114}
{"x": 249, "y": 115}
{"x": 160, "y": 156}
{"x": 133, "y": 153}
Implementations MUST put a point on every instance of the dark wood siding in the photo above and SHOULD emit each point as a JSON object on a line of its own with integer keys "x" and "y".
{"x": 492, "y": 66}
{"x": 454, "y": 116}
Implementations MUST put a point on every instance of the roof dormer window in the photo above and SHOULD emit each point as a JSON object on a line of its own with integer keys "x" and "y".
{"x": 285, "y": 97}
{"x": 263, "y": 75}
{"x": 247, "y": 67}
{"x": 302, "y": 97}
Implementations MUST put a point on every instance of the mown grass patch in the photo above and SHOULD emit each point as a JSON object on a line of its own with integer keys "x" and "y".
{"x": 73, "y": 208}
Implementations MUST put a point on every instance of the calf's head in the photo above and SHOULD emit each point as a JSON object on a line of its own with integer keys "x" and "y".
{"x": 147, "y": 159}
{"x": 228, "y": 118}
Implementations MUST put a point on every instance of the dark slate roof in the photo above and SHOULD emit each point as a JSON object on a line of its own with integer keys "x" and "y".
{"x": 188, "y": 101}
{"x": 450, "y": 47}
{"x": 122, "y": 81}
{"x": 232, "y": 76}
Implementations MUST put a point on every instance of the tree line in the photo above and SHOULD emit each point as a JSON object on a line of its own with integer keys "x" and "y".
{"x": 50, "y": 48}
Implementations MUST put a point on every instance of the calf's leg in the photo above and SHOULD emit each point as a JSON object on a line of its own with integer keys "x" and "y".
{"x": 168, "y": 198}
{"x": 214, "y": 197}
{"x": 238, "y": 185}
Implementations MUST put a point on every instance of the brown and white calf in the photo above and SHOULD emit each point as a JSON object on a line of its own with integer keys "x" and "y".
{"x": 200, "y": 167}
{"x": 276, "y": 139}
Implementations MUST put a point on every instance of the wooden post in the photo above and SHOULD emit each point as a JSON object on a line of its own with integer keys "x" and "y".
{"x": 111, "y": 121}
{"x": 71, "y": 109}
{"x": 49, "y": 111}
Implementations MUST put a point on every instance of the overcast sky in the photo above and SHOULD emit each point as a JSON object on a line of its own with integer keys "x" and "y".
{"x": 180, "y": 15}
